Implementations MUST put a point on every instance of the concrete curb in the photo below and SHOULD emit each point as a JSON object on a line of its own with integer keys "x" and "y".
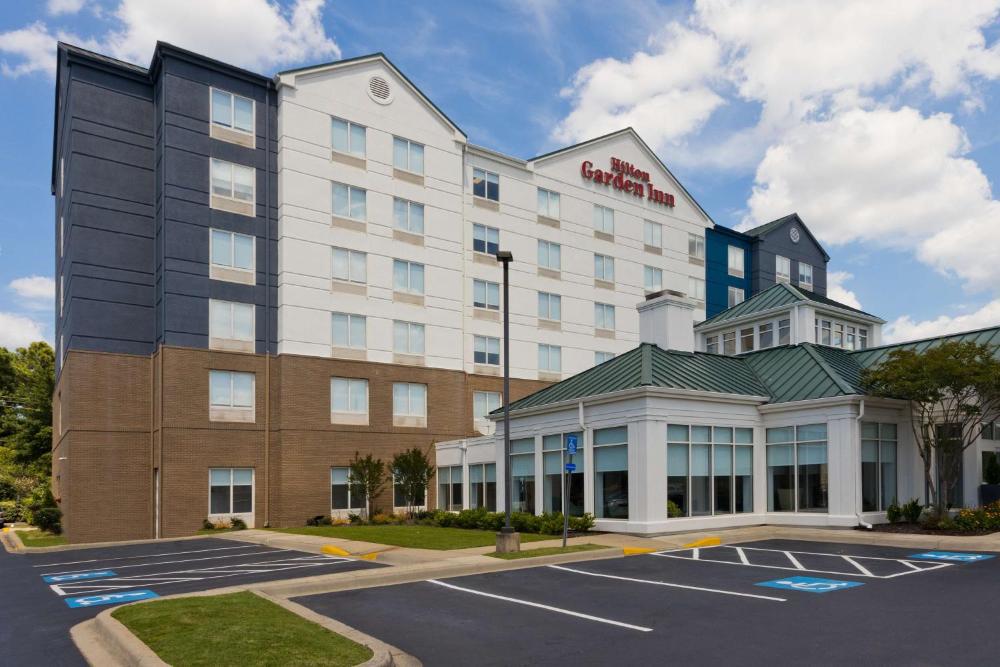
{"x": 104, "y": 641}
{"x": 12, "y": 543}
{"x": 122, "y": 543}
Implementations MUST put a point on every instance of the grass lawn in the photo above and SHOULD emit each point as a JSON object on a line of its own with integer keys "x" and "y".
{"x": 548, "y": 551}
{"x": 215, "y": 531}
{"x": 40, "y": 538}
{"x": 416, "y": 537}
{"x": 238, "y": 629}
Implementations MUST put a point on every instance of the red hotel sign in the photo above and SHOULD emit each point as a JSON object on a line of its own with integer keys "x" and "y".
{"x": 626, "y": 177}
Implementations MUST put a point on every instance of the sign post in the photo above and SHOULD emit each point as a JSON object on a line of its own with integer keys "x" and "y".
{"x": 571, "y": 445}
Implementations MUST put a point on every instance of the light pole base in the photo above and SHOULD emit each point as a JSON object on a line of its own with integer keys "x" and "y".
{"x": 508, "y": 542}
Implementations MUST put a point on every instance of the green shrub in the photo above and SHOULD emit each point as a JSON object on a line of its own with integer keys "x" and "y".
{"x": 207, "y": 525}
{"x": 911, "y": 511}
{"x": 12, "y": 511}
{"x": 237, "y": 523}
{"x": 894, "y": 513}
{"x": 48, "y": 519}
{"x": 991, "y": 470}
{"x": 674, "y": 510}
{"x": 551, "y": 523}
{"x": 354, "y": 518}
{"x": 581, "y": 524}
{"x": 980, "y": 519}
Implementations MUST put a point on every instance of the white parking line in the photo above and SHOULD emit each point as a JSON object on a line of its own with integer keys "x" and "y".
{"x": 173, "y": 553}
{"x": 864, "y": 570}
{"x": 793, "y": 560}
{"x": 546, "y": 607}
{"x": 665, "y": 583}
{"x": 742, "y": 555}
{"x": 184, "y": 560}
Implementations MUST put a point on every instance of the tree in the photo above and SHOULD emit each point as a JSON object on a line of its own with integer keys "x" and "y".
{"x": 412, "y": 471}
{"x": 367, "y": 479}
{"x": 951, "y": 389}
{"x": 26, "y": 420}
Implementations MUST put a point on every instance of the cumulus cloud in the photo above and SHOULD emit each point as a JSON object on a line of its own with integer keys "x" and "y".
{"x": 58, "y": 7}
{"x": 19, "y": 331}
{"x": 836, "y": 290}
{"x": 905, "y": 328}
{"x": 256, "y": 34}
{"x": 36, "y": 292}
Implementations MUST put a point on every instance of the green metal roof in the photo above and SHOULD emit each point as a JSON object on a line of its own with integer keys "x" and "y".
{"x": 776, "y": 296}
{"x": 876, "y": 355}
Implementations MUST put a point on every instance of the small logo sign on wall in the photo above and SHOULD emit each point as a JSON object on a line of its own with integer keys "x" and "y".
{"x": 951, "y": 556}
{"x": 810, "y": 584}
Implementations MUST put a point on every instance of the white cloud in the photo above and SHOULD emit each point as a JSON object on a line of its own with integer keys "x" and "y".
{"x": 904, "y": 328}
{"x": 58, "y": 7}
{"x": 836, "y": 290}
{"x": 19, "y": 331}
{"x": 256, "y": 34}
{"x": 35, "y": 288}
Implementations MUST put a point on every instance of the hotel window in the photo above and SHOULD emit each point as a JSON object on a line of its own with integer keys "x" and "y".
{"x": 343, "y": 494}
{"x": 350, "y": 265}
{"x": 349, "y": 396}
{"x": 729, "y": 343}
{"x": 230, "y": 321}
{"x": 696, "y": 289}
{"x": 851, "y": 338}
{"x": 449, "y": 488}
{"x": 554, "y": 457}
{"x": 862, "y": 339}
{"x": 522, "y": 475}
{"x": 746, "y": 340}
{"x": 485, "y": 239}
{"x": 735, "y": 296}
{"x": 485, "y": 184}
{"x": 736, "y": 261}
{"x": 348, "y": 137}
{"x": 784, "y": 332}
{"x": 230, "y": 491}
{"x": 549, "y": 358}
{"x": 548, "y": 203}
{"x": 233, "y": 181}
{"x": 549, "y": 255}
{"x": 486, "y": 350}
{"x": 549, "y": 306}
{"x": 838, "y": 334}
{"x": 797, "y": 474}
{"x": 62, "y": 294}
{"x": 408, "y": 216}
{"x": 407, "y": 155}
{"x": 399, "y": 496}
{"x": 712, "y": 344}
{"x": 766, "y": 333}
{"x": 652, "y": 234}
{"x": 485, "y": 402}
{"x": 696, "y": 247}
{"x": 604, "y": 219}
{"x": 601, "y": 357}
{"x": 485, "y": 294}
{"x": 407, "y": 277}
{"x": 878, "y": 466}
{"x": 604, "y": 316}
{"x": 483, "y": 486}
{"x": 232, "y": 111}
{"x": 350, "y": 202}
{"x": 604, "y": 268}
{"x": 823, "y": 330}
{"x": 611, "y": 473}
{"x": 62, "y": 235}
{"x": 409, "y": 400}
{"x": 231, "y": 250}
{"x": 407, "y": 337}
{"x": 652, "y": 279}
{"x": 349, "y": 330}
{"x": 231, "y": 390}
{"x": 782, "y": 269}
{"x": 709, "y": 470}
{"x": 806, "y": 276}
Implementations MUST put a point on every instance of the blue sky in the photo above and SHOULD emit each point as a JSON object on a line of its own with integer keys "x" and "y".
{"x": 879, "y": 125}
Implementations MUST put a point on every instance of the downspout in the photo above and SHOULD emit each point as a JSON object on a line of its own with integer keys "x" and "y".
{"x": 857, "y": 486}
{"x": 267, "y": 307}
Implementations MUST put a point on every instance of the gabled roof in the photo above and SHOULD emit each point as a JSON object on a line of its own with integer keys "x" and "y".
{"x": 649, "y": 151}
{"x": 761, "y": 231}
{"x": 777, "y": 296}
{"x": 876, "y": 355}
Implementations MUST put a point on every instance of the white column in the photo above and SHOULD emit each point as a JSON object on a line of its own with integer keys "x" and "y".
{"x": 588, "y": 469}
{"x": 539, "y": 476}
{"x": 647, "y": 462}
{"x": 759, "y": 470}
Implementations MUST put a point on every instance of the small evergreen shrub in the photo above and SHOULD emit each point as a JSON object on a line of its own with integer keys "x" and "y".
{"x": 237, "y": 523}
{"x": 674, "y": 510}
{"x": 207, "y": 525}
{"x": 911, "y": 511}
{"x": 894, "y": 513}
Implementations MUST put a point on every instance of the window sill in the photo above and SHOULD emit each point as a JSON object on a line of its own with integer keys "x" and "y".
{"x": 348, "y": 223}
{"x": 406, "y": 297}
{"x": 226, "y": 274}
{"x": 348, "y": 353}
{"x": 485, "y": 369}
{"x": 348, "y": 159}
{"x": 604, "y": 236}
{"x": 408, "y": 359}
{"x": 549, "y": 376}
{"x": 546, "y": 220}
{"x": 407, "y": 421}
{"x": 488, "y": 204}
{"x": 349, "y": 418}
{"x": 652, "y": 249}
{"x": 735, "y": 275}
{"x": 239, "y": 415}
{"x": 484, "y": 258}
{"x": 408, "y": 176}
{"x": 697, "y": 261}
{"x": 551, "y": 325}
{"x": 231, "y": 345}
{"x": 484, "y": 314}
{"x": 407, "y": 237}
{"x": 604, "y": 333}
{"x": 345, "y": 287}
{"x": 229, "y": 205}
{"x": 549, "y": 273}
{"x": 232, "y": 136}
{"x": 604, "y": 284}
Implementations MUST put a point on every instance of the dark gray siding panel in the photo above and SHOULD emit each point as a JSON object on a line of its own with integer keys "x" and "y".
{"x": 778, "y": 242}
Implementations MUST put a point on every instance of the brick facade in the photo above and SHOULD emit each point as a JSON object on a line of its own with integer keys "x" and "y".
{"x": 121, "y": 418}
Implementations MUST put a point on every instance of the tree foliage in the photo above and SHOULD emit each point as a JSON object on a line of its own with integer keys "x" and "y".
{"x": 951, "y": 389}
{"x": 367, "y": 478}
{"x": 412, "y": 471}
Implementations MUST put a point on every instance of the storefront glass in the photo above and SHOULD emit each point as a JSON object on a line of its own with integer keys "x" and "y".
{"x": 611, "y": 473}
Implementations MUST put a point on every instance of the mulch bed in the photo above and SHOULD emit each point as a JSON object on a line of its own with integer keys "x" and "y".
{"x": 917, "y": 529}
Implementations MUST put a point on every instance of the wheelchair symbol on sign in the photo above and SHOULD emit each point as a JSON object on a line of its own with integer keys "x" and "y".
{"x": 816, "y": 586}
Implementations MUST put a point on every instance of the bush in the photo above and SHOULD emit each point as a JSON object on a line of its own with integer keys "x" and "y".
{"x": 12, "y": 511}
{"x": 48, "y": 518}
{"x": 911, "y": 511}
{"x": 980, "y": 519}
{"x": 674, "y": 510}
{"x": 207, "y": 525}
{"x": 581, "y": 524}
{"x": 894, "y": 513}
{"x": 354, "y": 518}
{"x": 237, "y": 523}
{"x": 319, "y": 520}
{"x": 991, "y": 470}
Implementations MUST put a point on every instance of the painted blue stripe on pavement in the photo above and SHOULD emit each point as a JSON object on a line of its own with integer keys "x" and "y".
{"x": 110, "y": 598}
{"x": 76, "y": 576}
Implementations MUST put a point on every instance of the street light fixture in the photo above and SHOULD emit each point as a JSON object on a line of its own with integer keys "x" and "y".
{"x": 507, "y": 539}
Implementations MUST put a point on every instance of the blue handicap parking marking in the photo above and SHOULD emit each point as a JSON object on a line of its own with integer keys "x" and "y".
{"x": 76, "y": 576}
{"x": 810, "y": 584}
{"x": 110, "y": 598}
{"x": 951, "y": 556}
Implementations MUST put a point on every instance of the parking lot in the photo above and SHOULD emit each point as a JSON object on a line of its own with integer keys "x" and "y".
{"x": 44, "y": 595}
{"x": 769, "y": 602}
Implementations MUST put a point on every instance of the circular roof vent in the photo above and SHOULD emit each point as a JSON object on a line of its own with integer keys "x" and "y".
{"x": 378, "y": 90}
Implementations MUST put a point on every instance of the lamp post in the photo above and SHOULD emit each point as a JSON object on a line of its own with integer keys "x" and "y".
{"x": 507, "y": 539}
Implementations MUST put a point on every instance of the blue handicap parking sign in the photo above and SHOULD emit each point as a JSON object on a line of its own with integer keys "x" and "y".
{"x": 810, "y": 584}
{"x": 951, "y": 556}
{"x": 570, "y": 467}
{"x": 571, "y": 444}
{"x": 76, "y": 576}
{"x": 110, "y": 598}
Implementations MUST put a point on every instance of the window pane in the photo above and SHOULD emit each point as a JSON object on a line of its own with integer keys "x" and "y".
{"x": 357, "y": 140}
{"x": 478, "y": 183}
{"x": 358, "y": 204}
{"x": 417, "y": 338}
{"x": 417, "y": 158}
{"x": 219, "y": 498}
{"x": 417, "y": 218}
{"x": 221, "y": 324}
{"x": 222, "y": 108}
{"x": 219, "y": 388}
{"x": 219, "y": 477}
{"x": 400, "y": 276}
{"x": 359, "y": 267}
{"x": 399, "y": 214}
{"x": 341, "y": 205}
{"x": 677, "y": 433}
{"x": 359, "y": 395}
{"x": 417, "y": 278}
{"x": 243, "y": 178}
{"x": 222, "y": 178}
{"x": 242, "y": 390}
{"x": 222, "y": 248}
{"x": 340, "y": 141}
{"x": 243, "y": 321}
{"x": 812, "y": 473}
{"x": 400, "y": 399}
{"x": 340, "y": 336}
{"x": 242, "y": 498}
{"x": 243, "y": 115}
{"x": 399, "y": 153}
{"x": 339, "y": 395}
{"x": 357, "y": 331}
{"x": 399, "y": 336}
{"x": 780, "y": 478}
{"x": 243, "y": 251}
{"x": 418, "y": 399}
